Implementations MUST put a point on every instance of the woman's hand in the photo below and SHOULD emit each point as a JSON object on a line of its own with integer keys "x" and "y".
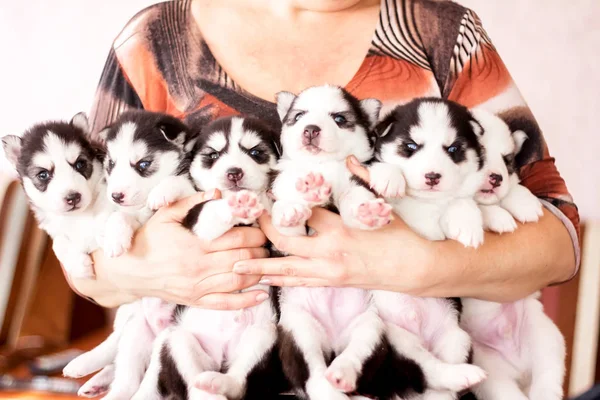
{"x": 390, "y": 258}
{"x": 170, "y": 262}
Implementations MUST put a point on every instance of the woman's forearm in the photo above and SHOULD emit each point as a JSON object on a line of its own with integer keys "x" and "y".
{"x": 506, "y": 267}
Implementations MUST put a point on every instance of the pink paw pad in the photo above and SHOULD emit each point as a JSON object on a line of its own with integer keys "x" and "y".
{"x": 374, "y": 213}
{"x": 314, "y": 188}
{"x": 294, "y": 216}
{"x": 337, "y": 381}
{"x": 245, "y": 205}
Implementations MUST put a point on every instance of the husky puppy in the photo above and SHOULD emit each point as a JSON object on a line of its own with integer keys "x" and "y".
{"x": 217, "y": 354}
{"x": 61, "y": 173}
{"x": 321, "y": 127}
{"x": 429, "y": 153}
{"x": 146, "y": 168}
{"x": 521, "y": 349}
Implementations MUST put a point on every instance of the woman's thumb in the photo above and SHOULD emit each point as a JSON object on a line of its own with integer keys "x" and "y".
{"x": 357, "y": 168}
{"x": 180, "y": 209}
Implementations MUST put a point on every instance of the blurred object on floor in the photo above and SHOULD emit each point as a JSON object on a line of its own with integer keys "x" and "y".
{"x": 592, "y": 394}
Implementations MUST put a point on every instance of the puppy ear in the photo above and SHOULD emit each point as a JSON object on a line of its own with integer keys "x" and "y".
{"x": 477, "y": 128}
{"x": 102, "y": 135}
{"x": 284, "y": 103}
{"x": 519, "y": 137}
{"x": 80, "y": 120}
{"x": 174, "y": 130}
{"x": 371, "y": 107}
{"x": 12, "y": 148}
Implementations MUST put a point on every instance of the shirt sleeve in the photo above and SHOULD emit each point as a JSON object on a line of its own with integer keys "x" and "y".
{"x": 477, "y": 77}
{"x": 114, "y": 94}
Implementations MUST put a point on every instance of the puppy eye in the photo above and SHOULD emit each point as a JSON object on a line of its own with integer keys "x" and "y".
{"x": 412, "y": 146}
{"x": 214, "y": 155}
{"x": 143, "y": 165}
{"x": 453, "y": 148}
{"x": 298, "y": 116}
{"x": 80, "y": 165}
{"x": 111, "y": 164}
{"x": 339, "y": 119}
{"x": 255, "y": 152}
{"x": 43, "y": 175}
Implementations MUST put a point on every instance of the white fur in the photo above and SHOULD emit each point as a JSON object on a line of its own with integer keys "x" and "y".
{"x": 516, "y": 343}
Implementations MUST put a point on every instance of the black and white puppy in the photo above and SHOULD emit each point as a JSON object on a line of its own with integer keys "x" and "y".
{"x": 61, "y": 173}
{"x": 327, "y": 334}
{"x": 146, "y": 168}
{"x": 518, "y": 345}
{"x": 429, "y": 167}
{"x": 216, "y": 354}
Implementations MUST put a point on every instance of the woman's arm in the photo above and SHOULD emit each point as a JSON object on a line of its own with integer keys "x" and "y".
{"x": 169, "y": 262}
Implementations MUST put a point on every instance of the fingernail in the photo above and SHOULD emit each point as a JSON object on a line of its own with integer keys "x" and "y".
{"x": 262, "y": 297}
{"x": 354, "y": 160}
{"x": 240, "y": 269}
{"x": 265, "y": 281}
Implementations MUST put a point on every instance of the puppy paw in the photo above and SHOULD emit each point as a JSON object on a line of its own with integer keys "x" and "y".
{"x": 373, "y": 214}
{"x": 198, "y": 394}
{"x": 463, "y": 222}
{"x": 314, "y": 189}
{"x": 80, "y": 266}
{"x": 459, "y": 377}
{"x": 212, "y": 382}
{"x": 387, "y": 180}
{"x": 158, "y": 197}
{"x": 290, "y": 215}
{"x": 523, "y": 205}
{"x": 342, "y": 375}
{"x": 118, "y": 235}
{"x": 245, "y": 206}
{"x": 496, "y": 219}
{"x": 91, "y": 391}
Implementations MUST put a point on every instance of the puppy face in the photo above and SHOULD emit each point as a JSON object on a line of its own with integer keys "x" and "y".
{"x": 501, "y": 147}
{"x": 143, "y": 148}
{"x": 56, "y": 164}
{"x": 234, "y": 154}
{"x": 327, "y": 123}
{"x": 435, "y": 143}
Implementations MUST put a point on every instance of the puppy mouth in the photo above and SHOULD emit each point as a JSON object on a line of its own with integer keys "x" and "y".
{"x": 312, "y": 149}
{"x": 487, "y": 191}
{"x": 74, "y": 208}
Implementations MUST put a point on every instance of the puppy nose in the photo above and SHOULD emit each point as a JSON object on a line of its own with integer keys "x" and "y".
{"x": 235, "y": 174}
{"x": 495, "y": 180}
{"x": 118, "y": 197}
{"x": 311, "y": 131}
{"x": 433, "y": 178}
{"x": 73, "y": 198}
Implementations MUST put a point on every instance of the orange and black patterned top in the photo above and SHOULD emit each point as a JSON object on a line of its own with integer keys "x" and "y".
{"x": 160, "y": 62}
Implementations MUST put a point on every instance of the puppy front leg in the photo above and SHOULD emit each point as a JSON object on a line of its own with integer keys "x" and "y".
{"x": 522, "y": 204}
{"x": 254, "y": 345}
{"x": 364, "y": 335}
{"x": 304, "y": 340}
{"x": 78, "y": 264}
{"x": 387, "y": 180}
{"x": 169, "y": 190}
{"x": 133, "y": 356}
{"x": 91, "y": 361}
{"x": 462, "y": 221}
{"x": 211, "y": 219}
{"x": 360, "y": 208}
{"x": 118, "y": 233}
{"x": 98, "y": 384}
{"x": 497, "y": 219}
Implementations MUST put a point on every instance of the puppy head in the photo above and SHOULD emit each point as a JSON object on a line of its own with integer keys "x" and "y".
{"x": 326, "y": 123}
{"x": 234, "y": 153}
{"x": 435, "y": 143}
{"x": 57, "y": 165}
{"x": 501, "y": 147}
{"x": 142, "y": 149}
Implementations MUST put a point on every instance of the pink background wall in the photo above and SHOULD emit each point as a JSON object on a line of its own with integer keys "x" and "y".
{"x": 53, "y": 52}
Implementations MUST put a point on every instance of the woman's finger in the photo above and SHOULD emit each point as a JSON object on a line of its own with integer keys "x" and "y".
{"x": 177, "y": 211}
{"x": 228, "y": 282}
{"x": 231, "y": 301}
{"x": 237, "y": 238}
{"x": 287, "y": 266}
{"x": 303, "y": 246}
{"x": 293, "y": 281}
{"x": 223, "y": 261}
{"x": 357, "y": 168}
{"x": 323, "y": 220}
